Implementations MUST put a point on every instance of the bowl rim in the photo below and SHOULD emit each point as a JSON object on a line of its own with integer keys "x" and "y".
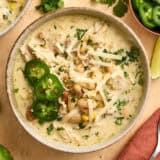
{"x": 34, "y": 25}
{"x": 139, "y": 22}
{"x": 15, "y": 21}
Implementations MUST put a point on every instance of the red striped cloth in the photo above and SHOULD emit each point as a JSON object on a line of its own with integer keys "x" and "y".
{"x": 143, "y": 143}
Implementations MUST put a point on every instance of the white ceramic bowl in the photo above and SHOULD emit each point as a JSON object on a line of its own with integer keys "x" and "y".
{"x": 9, "y": 27}
{"x": 128, "y": 32}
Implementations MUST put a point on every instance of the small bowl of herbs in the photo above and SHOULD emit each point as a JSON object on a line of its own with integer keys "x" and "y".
{"x": 147, "y": 13}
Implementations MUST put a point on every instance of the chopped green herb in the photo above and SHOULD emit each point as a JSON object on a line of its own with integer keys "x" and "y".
{"x": 61, "y": 44}
{"x": 68, "y": 36}
{"x": 119, "y": 120}
{"x": 120, "y": 8}
{"x": 49, "y": 129}
{"x": 81, "y": 126}
{"x": 104, "y": 115}
{"x": 120, "y": 103}
{"x": 60, "y": 129}
{"x": 127, "y": 56}
{"x": 101, "y": 58}
{"x": 97, "y": 133}
{"x": 119, "y": 52}
{"x": 133, "y": 54}
{"x": 109, "y": 2}
{"x": 50, "y": 5}
{"x": 55, "y": 27}
{"x": 71, "y": 27}
{"x": 108, "y": 99}
{"x": 85, "y": 136}
{"x": 140, "y": 77}
{"x": 106, "y": 95}
{"x": 80, "y": 33}
{"x": 61, "y": 69}
{"x": 105, "y": 51}
{"x": 86, "y": 67}
{"x": 105, "y": 92}
{"x": 21, "y": 8}
{"x": 73, "y": 98}
{"x": 43, "y": 43}
{"x": 5, "y": 17}
{"x": 15, "y": 90}
{"x": 129, "y": 117}
{"x": 141, "y": 81}
{"x": 89, "y": 42}
{"x": 126, "y": 74}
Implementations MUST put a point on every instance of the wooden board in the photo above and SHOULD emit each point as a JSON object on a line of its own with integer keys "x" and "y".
{"x": 20, "y": 143}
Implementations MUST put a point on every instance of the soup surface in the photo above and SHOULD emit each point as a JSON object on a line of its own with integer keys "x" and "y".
{"x": 97, "y": 72}
{"x": 9, "y": 10}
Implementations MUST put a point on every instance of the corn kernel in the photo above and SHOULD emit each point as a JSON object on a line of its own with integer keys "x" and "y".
{"x": 12, "y": 6}
{"x": 94, "y": 115}
{"x": 85, "y": 118}
{"x": 100, "y": 105}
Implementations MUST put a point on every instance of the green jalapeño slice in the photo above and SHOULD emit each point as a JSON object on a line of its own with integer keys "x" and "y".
{"x": 48, "y": 88}
{"x": 45, "y": 111}
{"x": 146, "y": 11}
{"x": 35, "y": 70}
{"x": 156, "y": 15}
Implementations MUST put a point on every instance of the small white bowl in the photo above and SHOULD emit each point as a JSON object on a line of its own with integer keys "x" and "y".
{"x": 85, "y": 11}
{"x": 9, "y": 27}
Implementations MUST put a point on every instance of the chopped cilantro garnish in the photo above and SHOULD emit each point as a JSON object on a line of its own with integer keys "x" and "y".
{"x": 120, "y": 8}
{"x": 105, "y": 51}
{"x": 85, "y": 136}
{"x": 120, "y": 103}
{"x": 15, "y": 90}
{"x": 129, "y": 117}
{"x": 60, "y": 129}
{"x": 101, "y": 58}
{"x": 49, "y": 129}
{"x": 89, "y": 42}
{"x": 119, "y": 120}
{"x": 140, "y": 78}
{"x": 141, "y": 81}
{"x": 109, "y": 2}
{"x": 81, "y": 126}
{"x": 127, "y": 56}
{"x": 97, "y": 133}
{"x": 21, "y": 8}
{"x": 133, "y": 54}
{"x": 55, "y": 27}
{"x": 50, "y": 5}
{"x": 61, "y": 69}
{"x": 126, "y": 74}
{"x": 73, "y": 98}
{"x": 86, "y": 68}
{"x": 5, "y": 17}
{"x": 80, "y": 33}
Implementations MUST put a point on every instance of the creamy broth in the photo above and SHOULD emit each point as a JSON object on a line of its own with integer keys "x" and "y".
{"x": 9, "y": 10}
{"x": 100, "y": 59}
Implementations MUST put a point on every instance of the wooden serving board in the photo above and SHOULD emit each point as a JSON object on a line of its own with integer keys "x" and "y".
{"x": 19, "y": 142}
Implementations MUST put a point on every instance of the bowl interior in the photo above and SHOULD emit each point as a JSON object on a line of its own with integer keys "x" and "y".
{"x": 9, "y": 27}
{"x": 155, "y": 31}
{"x": 128, "y": 33}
